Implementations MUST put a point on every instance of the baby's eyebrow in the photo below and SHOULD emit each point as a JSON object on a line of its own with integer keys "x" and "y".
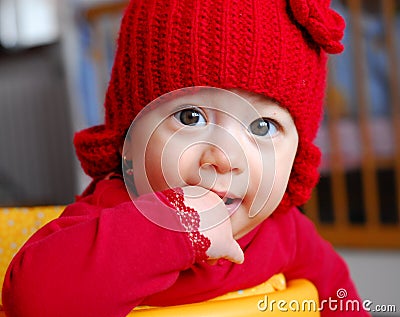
{"x": 272, "y": 110}
{"x": 186, "y": 105}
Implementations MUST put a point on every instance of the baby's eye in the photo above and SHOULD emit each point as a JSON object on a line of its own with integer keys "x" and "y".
{"x": 262, "y": 127}
{"x": 191, "y": 117}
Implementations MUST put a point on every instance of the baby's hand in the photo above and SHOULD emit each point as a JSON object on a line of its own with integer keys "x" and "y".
{"x": 214, "y": 223}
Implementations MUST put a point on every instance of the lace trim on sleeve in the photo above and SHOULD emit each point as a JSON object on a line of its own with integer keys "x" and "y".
{"x": 190, "y": 219}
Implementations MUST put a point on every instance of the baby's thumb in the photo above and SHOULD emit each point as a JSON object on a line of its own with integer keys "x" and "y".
{"x": 235, "y": 253}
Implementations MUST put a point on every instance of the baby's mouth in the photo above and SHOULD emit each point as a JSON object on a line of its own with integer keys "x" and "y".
{"x": 232, "y": 204}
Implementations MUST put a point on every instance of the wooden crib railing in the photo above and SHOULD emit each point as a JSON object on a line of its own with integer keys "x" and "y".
{"x": 371, "y": 231}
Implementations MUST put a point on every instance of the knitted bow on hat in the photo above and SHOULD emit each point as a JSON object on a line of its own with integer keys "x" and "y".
{"x": 323, "y": 24}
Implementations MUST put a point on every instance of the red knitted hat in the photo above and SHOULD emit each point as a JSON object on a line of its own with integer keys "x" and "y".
{"x": 272, "y": 47}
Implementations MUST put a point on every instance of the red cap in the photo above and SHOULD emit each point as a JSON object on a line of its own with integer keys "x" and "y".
{"x": 276, "y": 48}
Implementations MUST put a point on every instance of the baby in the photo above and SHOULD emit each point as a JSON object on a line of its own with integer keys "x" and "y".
{"x": 225, "y": 98}
{"x": 201, "y": 138}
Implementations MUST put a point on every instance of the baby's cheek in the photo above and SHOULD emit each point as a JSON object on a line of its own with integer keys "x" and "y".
{"x": 148, "y": 175}
{"x": 187, "y": 167}
{"x": 280, "y": 183}
{"x": 155, "y": 177}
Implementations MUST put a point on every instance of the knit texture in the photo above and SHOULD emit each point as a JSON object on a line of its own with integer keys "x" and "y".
{"x": 276, "y": 48}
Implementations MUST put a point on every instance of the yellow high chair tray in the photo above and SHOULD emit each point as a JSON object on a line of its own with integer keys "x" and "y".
{"x": 299, "y": 297}
{"x": 272, "y": 298}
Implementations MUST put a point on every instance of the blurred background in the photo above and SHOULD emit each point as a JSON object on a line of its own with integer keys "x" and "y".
{"x": 55, "y": 61}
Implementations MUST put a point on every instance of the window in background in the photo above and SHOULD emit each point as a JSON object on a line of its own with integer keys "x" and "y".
{"x": 36, "y": 152}
{"x": 27, "y": 23}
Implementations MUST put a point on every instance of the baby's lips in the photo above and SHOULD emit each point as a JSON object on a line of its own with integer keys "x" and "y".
{"x": 325, "y": 26}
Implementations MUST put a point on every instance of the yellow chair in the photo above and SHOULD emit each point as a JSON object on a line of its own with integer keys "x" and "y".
{"x": 273, "y": 298}
{"x": 17, "y": 224}
{"x": 298, "y": 298}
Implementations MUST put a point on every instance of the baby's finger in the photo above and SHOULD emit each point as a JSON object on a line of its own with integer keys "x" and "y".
{"x": 235, "y": 254}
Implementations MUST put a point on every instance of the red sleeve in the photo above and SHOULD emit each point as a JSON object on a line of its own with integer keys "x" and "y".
{"x": 95, "y": 261}
{"x": 316, "y": 260}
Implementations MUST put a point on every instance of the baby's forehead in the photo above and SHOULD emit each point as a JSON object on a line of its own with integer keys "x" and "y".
{"x": 235, "y": 101}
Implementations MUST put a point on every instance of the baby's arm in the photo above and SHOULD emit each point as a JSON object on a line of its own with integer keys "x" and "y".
{"x": 97, "y": 262}
{"x": 101, "y": 265}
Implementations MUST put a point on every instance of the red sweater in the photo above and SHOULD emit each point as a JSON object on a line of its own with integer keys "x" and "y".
{"x": 102, "y": 257}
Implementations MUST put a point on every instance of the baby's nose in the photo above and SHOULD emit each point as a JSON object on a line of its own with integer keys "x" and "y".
{"x": 223, "y": 152}
{"x": 214, "y": 156}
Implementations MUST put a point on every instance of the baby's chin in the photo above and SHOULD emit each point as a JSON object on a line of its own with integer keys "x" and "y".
{"x": 242, "y": 223}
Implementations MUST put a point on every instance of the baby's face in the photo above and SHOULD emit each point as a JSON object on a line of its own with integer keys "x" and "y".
{"x": 237, "y": 144}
